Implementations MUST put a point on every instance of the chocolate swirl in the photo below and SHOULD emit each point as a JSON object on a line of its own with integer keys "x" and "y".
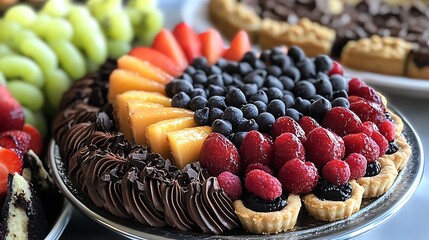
{"x": 75, "y": 138}
{"x": 78, "y": 166}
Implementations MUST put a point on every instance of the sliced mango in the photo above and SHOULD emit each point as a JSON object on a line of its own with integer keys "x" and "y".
{"x": 144, "y": 69}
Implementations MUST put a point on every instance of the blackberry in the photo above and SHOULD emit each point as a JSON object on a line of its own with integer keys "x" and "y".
{"x": 217, "y": 102}
{"x": 265, "y": 122}
{"x": 258, "y": 204}
{"x": 328, "y": 191}
{"x": 393, "y": 147}
{"x": 198, "y": 102}
{"x": 372, "y": 169}
{"x": 222, "y": 126}
{"x": 180, "y": 100}
{"x": 277, "y": 108}
{"x": 235, "y": 97}
{"x": 201, "y": 116}
{"x": 250, "y": 111}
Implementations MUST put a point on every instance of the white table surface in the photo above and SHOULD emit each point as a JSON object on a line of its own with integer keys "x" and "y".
{"x": 411, "y": 222}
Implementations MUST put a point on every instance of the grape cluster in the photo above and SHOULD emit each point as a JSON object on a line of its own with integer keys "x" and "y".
{"x": 42, "y": 52}
{"x": 237, "y": 97}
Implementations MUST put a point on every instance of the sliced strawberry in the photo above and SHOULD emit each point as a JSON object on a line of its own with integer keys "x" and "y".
{"x": 36, "y": 142}
{"x": 188, "y": 40}
{"x": 10, "y": 162}
{"x": 167, "y": 44}
{"x": 240, "y": 45}
{"x": 158, "y": 59}
{"x": 21, "y": 140}
{"x": 11, "y": 115}
{"x": 212, "y": 45}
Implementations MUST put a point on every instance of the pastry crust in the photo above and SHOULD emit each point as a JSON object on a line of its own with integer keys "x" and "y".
{"x": 415, "y": 72}
{"x": 385, "y": 55}
{"x": 312, "y": 37}
{"x": 327, "y": 210}
{"x": 230, "y": 16}
{"x": 401, "y": 157}
{"x": 399, "y": 124}
{"x": 269, "y": 222}
{"x": 379, "y": 184}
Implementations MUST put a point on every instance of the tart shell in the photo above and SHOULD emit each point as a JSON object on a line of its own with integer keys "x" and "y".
{"x": 269, "y": 222}
{"x": 327, "y": 210}
{"x": 400, "y": 158}
{"x": 378, "y": 185}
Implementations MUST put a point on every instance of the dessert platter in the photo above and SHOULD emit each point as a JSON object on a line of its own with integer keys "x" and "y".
{"x": 190, "y": 138}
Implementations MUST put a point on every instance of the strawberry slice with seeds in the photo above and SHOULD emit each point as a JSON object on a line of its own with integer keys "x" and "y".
{"x": 157, "y": 59}
{"x": 10, "y": 162}
{"x": 167, "y": 44}
{"x": 212, "y": 45}
{"x": 240, "y": 45}
{"x": 36, "y": 141}
{"x": 188, "y": 40}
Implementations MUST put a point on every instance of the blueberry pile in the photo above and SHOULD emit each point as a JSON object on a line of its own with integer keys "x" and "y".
{"x": 236, "y": 97}
{"x": 328, "y": 191}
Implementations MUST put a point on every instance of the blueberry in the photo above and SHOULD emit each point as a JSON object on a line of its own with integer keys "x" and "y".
{"x": 187, "y": 77}
{"x": 281, "y": 60}
{"x": 215, "y": 113}
{"x": 247, "y": 125}
{"x": 198, "y": 92}
{"x": 318, "y": 108}
{"x": 200, "y": 77}
{"x": 277, "y": 108}
{"x": 274, "y": 70}
{"x": 222, "y": 126}
{"x": 324, "y": 88}
{"x": 262, "y": 107}
{"x": 250, "y": 58}
{"x": 201, "y": 116}
{"x": 230, "y": 67}
{"x": 182, "y": 86}
{"x": 250, "y": 111}
{"x": 340, "y": 102}
{"x": 316, "y": 97}
{"x": 169, "y": 88}
{"x": 265, "y": 56}
{"x": 235, "y": 97}
{"x": 296, "y": 54}
{"x": 198, "y": 102}
{"x": 216, "y": 90}
{"x": 323, "y": 63}
{"x": 307, "y": 68}
{"x": 304, "y": 89}
{"x": 276, "y": 51}
{"x": 227, "y": 78}
{"x": 272, "y": 81}
{"x": 373, "y": 169}
{"x": 301, "y": 105}
{"x": 340, "y": 93}
{"x": 213, "y": 69}
{"x": 215, "y": 80}
{"x": 190, "y": 70}
{"x": 180, "y": 100}
{"x": 233, "y": 115}
{"x": 200, "y": 63}
{"x": 294, "y": 114}
{"x": 221, "y": 62}
{"x": 288, "y": 100}
{"x": 339, "y": 83}
{"x": 244, "y": 68}
{"x": 249, "y": 89}
{"x": 217, "y": 102}
{"x": 199, "y": 86}
{"x": 274, "y": 93}
{"x": 287, "y": 82}
{"x": 260, "y": 95}
{"x": 286, "y": 92}
{"x": 256, "y": 76}
{"x": 265, "y": 122}
{"x": 259, "y": 64}
{"x": 293, "y": 73}
{"x": 237, "y": 138}
{"x": 238, "y": 83}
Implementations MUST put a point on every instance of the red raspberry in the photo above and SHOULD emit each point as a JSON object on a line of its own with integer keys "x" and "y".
{"x": 287, "y": 124}
{"x": 336, "y": 172}
{"x": 287, "y": 147}
{"x": 322, "y": 146}
{"x": 355, "y": 84}
{"x": 361, "y": 143}
{"x": 298, "y": 177}
{"x": 342, "y": 121}
{"x": 357, "y": 163}
{"x": 307, "y": 124}
{"x": 256, "y": 148}
{"x": 353, "y": 99}
{"x": 20, "y": 139}
{"x": 381, "y": 141}
{"x": 387, "y": 129}
{"x": 336, "y": 69}
{"x": 368, "y": 111}
{"x": 369, "y": 128}
{"x": 231, "y": 185}
{"x": 259, "y": 166}
{"x": 218, "y": 154}
{"x": 370, "y": 94}
{"x": 263, "y": 185}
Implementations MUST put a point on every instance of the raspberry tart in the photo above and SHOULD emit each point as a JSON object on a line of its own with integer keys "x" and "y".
{"x": 229, "y": 140}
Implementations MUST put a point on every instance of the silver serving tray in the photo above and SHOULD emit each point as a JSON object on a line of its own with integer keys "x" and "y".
{"x": 373, "y": 212}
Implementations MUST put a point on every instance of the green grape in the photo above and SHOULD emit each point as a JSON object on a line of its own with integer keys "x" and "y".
{"x": 100, "y": 9}
{"x": 40, "y": 25}
{"x": 92, "y": 66}
{"x": 152, "y": 21}
{"x": 29, "y": 116}
{"x": 40, "y": 123}
{"x": 142, "y": 5}
{"x": 2, "y": 79}
{"x": 22, "y": 36}
{"x": 118, "y": 27}
{"x": 146, "y": 38}
{"x": 56, "y": 8}
{"x": 57, "y": 83}
{"x": 70, "y": 58}
{"x": 8, "y": 29}
{"x": 134, "y": 15}
{"x": 118, "y": 48}
{"x": 40, "y": 52}
{"x": 88, "y": 35}
{"x": 58, "y": 29}
{"x": 27, "y": 94}
{"x": 22, "y": 14}
{"x": 20, "y": 67}
{"x": 5, "y": 51}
